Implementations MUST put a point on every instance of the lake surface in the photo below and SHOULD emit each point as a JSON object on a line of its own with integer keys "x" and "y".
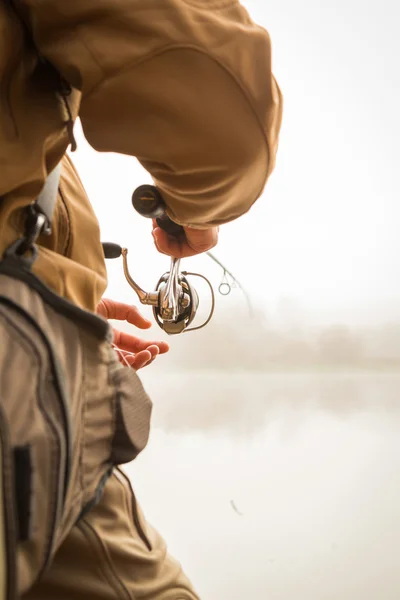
{"x": 277, "y": 486}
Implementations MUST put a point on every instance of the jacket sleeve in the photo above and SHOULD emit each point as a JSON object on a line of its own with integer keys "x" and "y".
{"x": 185, "y": 86}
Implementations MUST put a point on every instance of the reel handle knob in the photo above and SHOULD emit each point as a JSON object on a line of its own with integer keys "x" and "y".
{"x": 111, "y": 250}
{"x": 148, "y": 202}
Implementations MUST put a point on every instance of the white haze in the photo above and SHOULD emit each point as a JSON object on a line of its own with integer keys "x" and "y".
{"x": 293, "y": 414}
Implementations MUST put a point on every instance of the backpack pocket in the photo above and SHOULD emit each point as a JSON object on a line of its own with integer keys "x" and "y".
{"x": 36, "y": 447}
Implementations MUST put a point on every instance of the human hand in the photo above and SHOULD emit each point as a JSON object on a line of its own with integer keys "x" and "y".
{"x": 194, "y": 241}
{"x": 130, "y": 349}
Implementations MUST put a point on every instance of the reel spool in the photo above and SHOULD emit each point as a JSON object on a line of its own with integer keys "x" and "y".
{"x": 188, "y": 306}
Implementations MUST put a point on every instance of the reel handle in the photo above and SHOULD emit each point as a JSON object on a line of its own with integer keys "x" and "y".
{"x": 111, "y": 250}
{"x": 148, "y": 202}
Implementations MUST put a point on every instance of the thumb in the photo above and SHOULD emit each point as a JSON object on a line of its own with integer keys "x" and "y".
{"x": 201, "y": 240}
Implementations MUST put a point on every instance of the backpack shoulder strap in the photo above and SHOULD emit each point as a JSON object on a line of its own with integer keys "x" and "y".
{"x": 46, "y": 201}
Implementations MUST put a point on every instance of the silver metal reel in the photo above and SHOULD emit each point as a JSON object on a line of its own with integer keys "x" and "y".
{"x": 175, "y": 300}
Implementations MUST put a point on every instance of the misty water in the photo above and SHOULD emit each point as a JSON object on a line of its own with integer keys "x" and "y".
{"x": 277, "y": 486}
{"x": 310, "y": 459}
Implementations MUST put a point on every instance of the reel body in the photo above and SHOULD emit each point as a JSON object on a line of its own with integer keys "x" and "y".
{"x": 175, "y": 319}
{"x": 175, "y": 300}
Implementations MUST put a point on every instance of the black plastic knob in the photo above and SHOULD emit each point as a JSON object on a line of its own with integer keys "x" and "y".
{"x": 111, "y": 250}
{"x": 148, "y": 202}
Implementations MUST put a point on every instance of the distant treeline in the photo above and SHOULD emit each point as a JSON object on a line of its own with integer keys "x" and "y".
{"x": 254, "y": 344}
{"x": 234, "y": 341}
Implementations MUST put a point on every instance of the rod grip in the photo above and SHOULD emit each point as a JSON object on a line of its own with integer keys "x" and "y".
{"x": 148, "y": 202}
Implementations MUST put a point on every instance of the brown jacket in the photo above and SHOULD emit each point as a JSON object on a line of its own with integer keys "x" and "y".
{"x": 183, "y": 85}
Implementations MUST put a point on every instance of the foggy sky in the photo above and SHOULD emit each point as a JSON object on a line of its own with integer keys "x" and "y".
{"x": 326, "y": 229}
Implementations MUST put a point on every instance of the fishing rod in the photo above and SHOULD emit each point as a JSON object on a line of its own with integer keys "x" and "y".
{"x": 225, "y": 287}
{"x": 175, "y": 300}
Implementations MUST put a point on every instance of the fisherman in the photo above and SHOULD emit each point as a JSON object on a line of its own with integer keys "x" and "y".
{"x": 185, "y": 86}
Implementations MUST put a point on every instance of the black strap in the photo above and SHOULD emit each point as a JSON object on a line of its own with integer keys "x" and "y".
{"x": 23, "y": 475}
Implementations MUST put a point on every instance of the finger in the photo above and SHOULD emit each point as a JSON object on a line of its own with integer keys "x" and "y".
{"x": 201, "y": 240}
{"x": 122, "y": 356}
{"x": 170, "y": 245}
{"x": 162, "y": 347}
{"x": 118, "y": 311}
{"x": 194, "y": 242}
{"x": 154, "y": 351}
{"x": 139, "y": 360}
{"x": 131, "y": 343}
{"x": 150, "y": 361}
{"x": 136, "y": 318}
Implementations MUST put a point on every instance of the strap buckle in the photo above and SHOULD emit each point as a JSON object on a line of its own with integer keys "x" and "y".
{"x": 24, "y": 248}
{"x": 38, "y": 220}
{"x": 36, "y": 223}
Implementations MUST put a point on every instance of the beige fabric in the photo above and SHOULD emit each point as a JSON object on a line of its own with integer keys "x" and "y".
{"x": 113, "y": 553}
{"x": 71, "y": 260}
{"x": 3, "y": 555}
{"x": 66, "y": 416}
{"x": 185, "y": 86}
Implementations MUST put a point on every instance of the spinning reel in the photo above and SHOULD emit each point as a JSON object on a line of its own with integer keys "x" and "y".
{"x": 175, "y": 300}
